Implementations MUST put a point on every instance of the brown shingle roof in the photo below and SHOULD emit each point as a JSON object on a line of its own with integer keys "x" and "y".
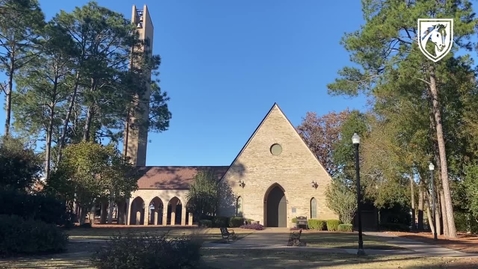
{"x": 173, "y": 177}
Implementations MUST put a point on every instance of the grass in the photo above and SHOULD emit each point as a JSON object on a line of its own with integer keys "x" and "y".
{"x": 79, "y": 253}
{"x": 207, "y": 234}
{"x": 267, "y": 258}
{"x": 344, "y": 240}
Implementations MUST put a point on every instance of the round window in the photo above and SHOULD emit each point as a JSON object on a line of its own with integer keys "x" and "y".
{"x": 276, "y": 149}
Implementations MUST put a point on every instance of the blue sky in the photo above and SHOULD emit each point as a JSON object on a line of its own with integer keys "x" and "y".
{"x": 224, "y": 64}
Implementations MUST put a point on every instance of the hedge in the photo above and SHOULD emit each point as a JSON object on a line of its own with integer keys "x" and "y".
{"x": 333, "y": 225}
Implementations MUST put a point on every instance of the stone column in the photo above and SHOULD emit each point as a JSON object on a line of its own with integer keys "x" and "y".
{"x": 156, "y": 216}
{"x": 165, "y": 216}
{"x": 190, "y": 220}
{"x": 128, "y": 212}
{"x": 146, "y": 214}
{"x": 183, "y": 215}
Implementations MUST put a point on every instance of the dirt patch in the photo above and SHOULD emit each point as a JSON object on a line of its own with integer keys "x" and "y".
{"x": 465, "y": 242}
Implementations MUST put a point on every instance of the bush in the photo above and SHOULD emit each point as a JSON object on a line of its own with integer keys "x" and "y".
{"x": 333, "y": 225}
{"x": 345, "y": 228}
{"x": 255, "y": 226}
{"x": 205, "y": 223}
{"x": 220, "y": 222}
{"x": 236, "y": 221}
{"x": 20, "y": 236}
{"x": 148, "y": 251}
{"x": 40, "y": 206}
{"x": 392, "y": 226}
{"x": 294, "y": 220}
{"x": 317, "y": 224}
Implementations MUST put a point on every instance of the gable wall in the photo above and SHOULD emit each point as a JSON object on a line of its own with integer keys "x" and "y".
{"x": 294, "y": 169}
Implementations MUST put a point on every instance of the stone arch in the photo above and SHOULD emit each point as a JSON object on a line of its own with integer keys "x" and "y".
{"x": 174, "y": 212}
{"x": 156, "y": 207}
{"x": 137, "y": 211}
{"x": 275, "y": 206}
{"x": 313, "y": 208}
{"x": 239, "y": 207}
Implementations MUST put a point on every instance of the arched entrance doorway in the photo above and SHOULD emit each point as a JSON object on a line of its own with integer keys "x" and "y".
{"x": 275, "y": 207}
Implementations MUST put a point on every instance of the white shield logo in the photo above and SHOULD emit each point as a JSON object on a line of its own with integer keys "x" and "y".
{"x": 435, "y": 37}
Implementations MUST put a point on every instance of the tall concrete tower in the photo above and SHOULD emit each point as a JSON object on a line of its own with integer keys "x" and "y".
{"x": 136, "y": 136}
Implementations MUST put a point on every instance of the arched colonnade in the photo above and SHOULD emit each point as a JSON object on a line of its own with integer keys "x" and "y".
{"x": 157, "y": 211}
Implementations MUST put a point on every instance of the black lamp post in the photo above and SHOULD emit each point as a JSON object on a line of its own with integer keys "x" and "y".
{"x": 356, "y": 142}
{"x": 431, "y": 167}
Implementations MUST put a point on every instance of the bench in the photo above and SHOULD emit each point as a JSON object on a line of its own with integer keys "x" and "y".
{"x": 302, "y": 222}
{"x": 228, "y": 235}
{"x": 294, "y": 239}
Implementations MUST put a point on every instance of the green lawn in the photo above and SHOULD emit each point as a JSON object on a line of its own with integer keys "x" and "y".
{"x": 244, "y": 258}
{"x": 207, "y": 234}
{"x": 344, "y": 240}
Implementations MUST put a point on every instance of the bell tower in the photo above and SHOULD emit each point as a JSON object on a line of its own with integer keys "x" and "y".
{"x": 136, "y": 134}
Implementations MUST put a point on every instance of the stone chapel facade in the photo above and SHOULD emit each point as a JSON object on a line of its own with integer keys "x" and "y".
{"x": 274, "y": 178}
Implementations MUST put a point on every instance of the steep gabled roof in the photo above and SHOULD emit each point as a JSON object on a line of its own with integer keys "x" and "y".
{"x": 274, "y": 106}
{"x": 173, "y": 177}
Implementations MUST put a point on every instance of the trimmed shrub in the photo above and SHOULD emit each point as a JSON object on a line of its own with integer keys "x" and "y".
{"x": 148, "y": 251}
{"x": 39, "y": 206}
{"x": 294, "y": 220}
{"x": 20, "y": 236}
{"x": 218, "y": 222}
{"x": 236, "y": 221}
{"x": 255, "y": 226}
{"x": 317, "y": 224}
{"x": 205, "y": 223}
{"x": 345, "y": 228}
{"x": 333, "y": 225}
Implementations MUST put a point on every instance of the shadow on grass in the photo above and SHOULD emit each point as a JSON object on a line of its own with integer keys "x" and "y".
{"x": 269, "y": 258}
{"x": 345, "y": 240}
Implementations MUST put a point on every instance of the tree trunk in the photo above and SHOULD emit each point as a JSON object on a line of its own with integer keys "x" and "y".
{"x": 443, "y": 214}
{"x": 412, "y": 202}
{"x": 83, "y": 213}
{"x": 442, "y": 152}
{"x": 104, "y": 212}
{"x": 420, "y": 208}
{"x": 49, "y": 131}
{"x": 89, "y": 120}
{"x": 437, "y": 216}
{"x": 49, "y": 134}
{"x": 111, "y": 204}
{"x": 430, "y": 221}
{"x": 66, "y": 121}
{"x": 8, "y": 97}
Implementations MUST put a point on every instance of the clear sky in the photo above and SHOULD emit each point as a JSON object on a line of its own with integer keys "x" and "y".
{"x": 224, "y": 64}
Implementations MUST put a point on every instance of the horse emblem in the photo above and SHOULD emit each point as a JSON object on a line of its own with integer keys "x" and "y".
{"x": 435, "y": 37}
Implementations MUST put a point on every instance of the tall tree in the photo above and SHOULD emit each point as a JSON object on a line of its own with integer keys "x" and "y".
{"x": 321, "y": 134}
{"x": 20, "y": 23}
{"x": 43, "y": 89}
{"x": 387, "y": 43}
